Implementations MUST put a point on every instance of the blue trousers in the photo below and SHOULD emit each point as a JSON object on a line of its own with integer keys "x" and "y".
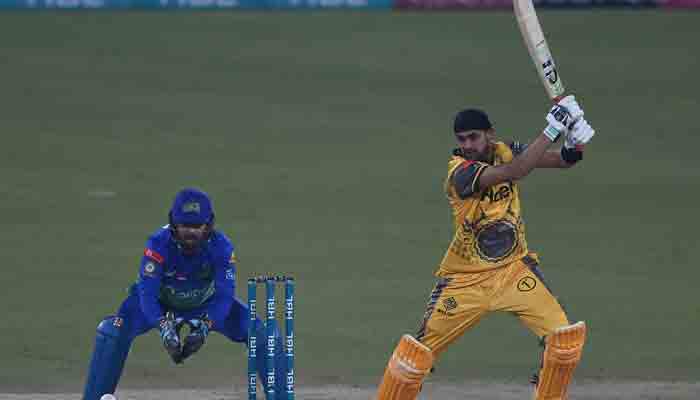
{"x": 115, "y": 335}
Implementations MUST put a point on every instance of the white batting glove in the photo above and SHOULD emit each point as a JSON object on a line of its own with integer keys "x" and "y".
{"x": 561, "y": 117}
{"x": 572, "y": 106}
{"x": 557, "y": 122}
{"x": 579, "y": 135}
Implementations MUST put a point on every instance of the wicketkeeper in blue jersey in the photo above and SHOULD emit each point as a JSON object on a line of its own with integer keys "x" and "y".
{"x": 187, "y": 278}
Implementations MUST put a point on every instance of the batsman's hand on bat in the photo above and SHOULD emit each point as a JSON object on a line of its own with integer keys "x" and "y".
{"x": 572, "y": 107}
{"x": 579, "y": 135}
{"x": 199, "y": 330}
{"x": 562, "y": 117}
{"x": 170, "y": 336}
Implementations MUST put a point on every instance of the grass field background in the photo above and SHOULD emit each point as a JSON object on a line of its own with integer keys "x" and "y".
{"x": 323, "y": 138}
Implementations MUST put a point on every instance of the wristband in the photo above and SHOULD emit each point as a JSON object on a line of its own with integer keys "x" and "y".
{"x": 571, "y": 156}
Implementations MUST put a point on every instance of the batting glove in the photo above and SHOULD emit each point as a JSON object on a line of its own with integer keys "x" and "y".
{"x": 561, "y": 117}
{"x": 572, "y": 106}
{"x": 579, "y": 135}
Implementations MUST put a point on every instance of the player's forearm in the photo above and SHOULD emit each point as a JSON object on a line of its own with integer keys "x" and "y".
{"x": 519, "y": 167}
{"x": 553, "y": 159}
{"x": 523, "y": 164}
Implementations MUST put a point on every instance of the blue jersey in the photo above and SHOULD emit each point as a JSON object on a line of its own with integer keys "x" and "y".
{"x": 170, "y": 280}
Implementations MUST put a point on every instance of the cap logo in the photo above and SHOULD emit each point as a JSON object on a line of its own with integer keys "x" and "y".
{"x": 191, "y": 207}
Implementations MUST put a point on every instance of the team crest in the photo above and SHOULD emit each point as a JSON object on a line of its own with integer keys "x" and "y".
{"x": 149, "y": 269}
{"x": 191, "y": 207}
{"x": 450, "y": 303}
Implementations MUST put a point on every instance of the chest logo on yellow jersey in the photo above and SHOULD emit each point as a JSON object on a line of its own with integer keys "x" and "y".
{"x": 497, "y": 240}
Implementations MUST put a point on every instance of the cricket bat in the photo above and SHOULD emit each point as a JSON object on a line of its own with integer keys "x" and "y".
{"x": 531, "y": 31}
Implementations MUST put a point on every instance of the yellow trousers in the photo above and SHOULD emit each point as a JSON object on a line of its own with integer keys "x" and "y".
{"x": 458, "y": 303}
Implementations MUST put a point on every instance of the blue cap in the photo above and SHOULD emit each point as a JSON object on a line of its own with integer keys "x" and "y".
{"x": 191, "y": 206}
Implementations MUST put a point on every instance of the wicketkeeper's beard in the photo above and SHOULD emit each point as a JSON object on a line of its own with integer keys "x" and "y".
{"x": 190, "y": 242}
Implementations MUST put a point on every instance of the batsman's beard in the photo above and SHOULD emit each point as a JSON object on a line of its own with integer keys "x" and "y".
{"x": 474, "y": 155}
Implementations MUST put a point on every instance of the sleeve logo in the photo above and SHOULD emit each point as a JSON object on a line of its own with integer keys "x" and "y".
{"x": 229, "y": 274}
{"x": 153, "y": 255}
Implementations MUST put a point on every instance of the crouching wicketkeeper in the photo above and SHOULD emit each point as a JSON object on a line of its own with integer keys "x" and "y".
{"x": 186, "y": 279}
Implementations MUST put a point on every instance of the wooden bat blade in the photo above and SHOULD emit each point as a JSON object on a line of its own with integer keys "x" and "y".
{"x": 536, "y": 43}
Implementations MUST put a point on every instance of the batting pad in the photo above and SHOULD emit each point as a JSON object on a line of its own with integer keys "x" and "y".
{"x": 408, "y": 366}
{"x": 562, "y": 353}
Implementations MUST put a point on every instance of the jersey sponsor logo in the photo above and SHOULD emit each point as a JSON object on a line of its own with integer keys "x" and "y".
{"x": 188, "y": 294}
{"x": 153, "y": 255}
{"x": 493, "y": 196}
{"x": 149, "y": 269}
{"x": 526, "y": 284}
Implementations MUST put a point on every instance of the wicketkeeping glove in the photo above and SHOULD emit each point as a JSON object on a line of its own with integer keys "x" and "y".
{"x": 199, "y": 330}
{"x": 170, "y": 337}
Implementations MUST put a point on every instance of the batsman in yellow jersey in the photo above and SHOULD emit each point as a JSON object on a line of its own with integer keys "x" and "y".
{"x": 488, "y": 266}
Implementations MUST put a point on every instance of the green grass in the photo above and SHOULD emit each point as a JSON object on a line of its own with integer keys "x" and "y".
{"x": 323, "y": 139}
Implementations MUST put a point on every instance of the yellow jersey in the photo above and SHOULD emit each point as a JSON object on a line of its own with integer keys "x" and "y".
{"x": 489, "y": 230}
